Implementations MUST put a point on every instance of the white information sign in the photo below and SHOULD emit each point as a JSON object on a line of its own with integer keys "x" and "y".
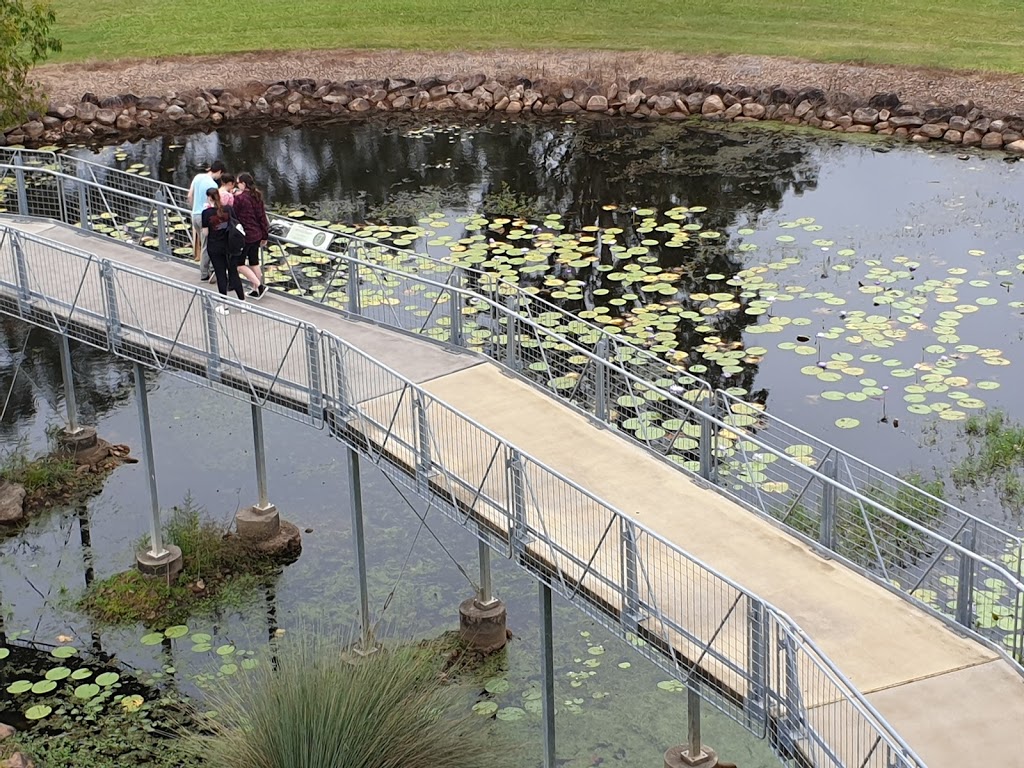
{"x": 309, "y": 237}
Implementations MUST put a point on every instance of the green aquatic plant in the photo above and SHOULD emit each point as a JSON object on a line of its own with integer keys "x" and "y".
{"x": 219, "y": 569}
{"x": 995, "y": 454}
{"x": 319, "y": 710}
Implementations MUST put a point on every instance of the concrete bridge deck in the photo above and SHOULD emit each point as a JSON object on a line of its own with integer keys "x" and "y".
{"x": 953, "y": 700}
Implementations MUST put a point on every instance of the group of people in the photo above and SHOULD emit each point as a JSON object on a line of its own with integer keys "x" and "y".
{"x": 221, "y": 203}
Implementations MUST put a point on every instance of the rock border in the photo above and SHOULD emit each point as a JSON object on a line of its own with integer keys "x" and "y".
{"x": 884, "y": 114}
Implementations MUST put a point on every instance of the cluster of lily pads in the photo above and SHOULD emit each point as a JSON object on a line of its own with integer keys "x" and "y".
{"x": 78, "y": 688}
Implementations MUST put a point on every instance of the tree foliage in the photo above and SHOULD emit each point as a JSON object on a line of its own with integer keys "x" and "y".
{"x": 26, "y": 37}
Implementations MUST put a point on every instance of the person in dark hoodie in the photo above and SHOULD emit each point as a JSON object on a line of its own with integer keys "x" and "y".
{"x": 252, "y": 215}
{"x": 216, "y": 221}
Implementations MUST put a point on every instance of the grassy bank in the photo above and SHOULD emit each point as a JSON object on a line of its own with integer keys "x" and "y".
{"x": 983, "y": 35}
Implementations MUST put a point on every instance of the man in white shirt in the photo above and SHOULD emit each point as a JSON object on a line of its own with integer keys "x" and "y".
{"x": 197, "y": 200}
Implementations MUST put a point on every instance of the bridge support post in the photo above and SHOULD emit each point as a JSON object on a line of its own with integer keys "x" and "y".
{"x": 366, "y": 645}
{"x": 694, "y": 753}
{"x": 78, "y": 442}
{"x": 261, "y": 524}
{"x": 159, "y": 560}
{"x": 482, "y": 618}
{"x": 547, "y": 673}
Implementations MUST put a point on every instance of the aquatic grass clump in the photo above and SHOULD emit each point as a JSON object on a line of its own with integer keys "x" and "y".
{"x": 996, "y": 452}
{"x": 218, "y": 569}
{"x": 319, "y": 710}
{"x": 49, "y": 480}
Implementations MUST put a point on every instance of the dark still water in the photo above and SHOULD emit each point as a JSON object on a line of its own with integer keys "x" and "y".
{"x": 868, "y": 293}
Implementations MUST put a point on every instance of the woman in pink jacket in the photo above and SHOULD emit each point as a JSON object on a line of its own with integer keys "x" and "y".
{"x": 252, "y": 215}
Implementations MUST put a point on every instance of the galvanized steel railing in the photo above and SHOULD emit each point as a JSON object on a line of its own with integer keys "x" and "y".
{"x": 741, "y": 653}
{"x": 920, "y": 545}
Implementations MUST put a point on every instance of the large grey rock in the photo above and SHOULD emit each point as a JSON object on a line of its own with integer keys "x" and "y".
{"x": 753, "y": 110}
{"x": 865, "y": 116}
{"x": 569, "y": 107}
{"x": 12, "y": 503}
{"x": 87, "y": 111}
{"x": 952, "y": 137}
{"x": 1017, "y": 147}
{"x": 108, "y": 116}
{"x": 992, "y": 140}
{"x": 957, "y": 123}
{"x": 712, "y": 105}
{"x": 933, "y": 130}
{"x": 174, "y": 112}
{"x": 906, "y": 121}
{"x": 971, "y": 138}
{"x": 359, "y": 105}
{"x": 33, "y": 129}
{"x": 152, "y": 103}
{"x": 597, "y": 103}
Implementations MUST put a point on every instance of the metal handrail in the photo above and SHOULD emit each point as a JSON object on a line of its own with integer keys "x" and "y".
{"x": 791, "y": 639}
{"x": 946, "y": 544}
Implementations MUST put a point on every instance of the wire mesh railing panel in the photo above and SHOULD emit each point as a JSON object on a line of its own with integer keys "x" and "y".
{"x": 253, "y": 354}
{"x": 810, "y": 718}
{"x": 60, "y": 290}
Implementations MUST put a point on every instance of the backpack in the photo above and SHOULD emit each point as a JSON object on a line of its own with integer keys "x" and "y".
{"x": 236, "y": 237}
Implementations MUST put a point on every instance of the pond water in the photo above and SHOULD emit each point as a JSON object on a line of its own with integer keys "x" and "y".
{"x": 868, "y": 293}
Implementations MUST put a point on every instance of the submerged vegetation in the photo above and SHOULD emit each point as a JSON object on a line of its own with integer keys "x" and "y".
{"x": 219, "y": 569}
{"x": 995, "y": 455}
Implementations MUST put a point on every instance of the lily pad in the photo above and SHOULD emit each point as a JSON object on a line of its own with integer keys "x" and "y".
{"x": 63, "y": 652}
{"x": 107, "y": 679}
{"x": 497, "y": 685}
{"x": 485, "y": 708}
{"x": 510, "y": 713}
{"x": 153, "y": 638}
{"x": 178, "y": 630}
{"x": 20, "y": 686}
{"x": 847, "y": 423}
{"x": 87, "y": 690}
{"x": 671, "y": 685}
{"x": 38, "y": 712}
{"x": 44, "y": 686}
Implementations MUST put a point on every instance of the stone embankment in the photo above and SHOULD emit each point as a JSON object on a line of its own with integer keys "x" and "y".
{"x": 962, "y": 124}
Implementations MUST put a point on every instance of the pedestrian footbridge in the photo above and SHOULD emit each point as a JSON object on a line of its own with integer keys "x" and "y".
{"x": 785, "y": 581}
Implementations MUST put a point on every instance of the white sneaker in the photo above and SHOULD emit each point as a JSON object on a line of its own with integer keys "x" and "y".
{"x": 220, "y": 309}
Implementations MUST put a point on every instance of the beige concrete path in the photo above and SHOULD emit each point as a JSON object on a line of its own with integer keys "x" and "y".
{"x": 951, "y": 698}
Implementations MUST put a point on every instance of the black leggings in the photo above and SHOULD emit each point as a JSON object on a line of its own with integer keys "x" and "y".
{"x": 227, "y": 272}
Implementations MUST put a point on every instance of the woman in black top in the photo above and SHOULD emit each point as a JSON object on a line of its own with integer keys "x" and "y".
{"x": 216, "y": 220}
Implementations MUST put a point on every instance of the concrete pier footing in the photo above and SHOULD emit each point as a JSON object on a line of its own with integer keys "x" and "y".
{"x": 679, "y": 757}
{"x": 167, "y": 566}
{"x": 264, "y": 528}
{"x": 483, "y": 627}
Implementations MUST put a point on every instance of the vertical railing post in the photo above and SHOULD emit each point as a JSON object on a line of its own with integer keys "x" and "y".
{"x": 757, "y": 662}
{"x": 212, "y": 336}
{"x": 342, "y": 392}
{"x": 161, "y": 222}
{"x": 352, "y": 286}
{"x": 547, "y": 674}
{"x": 601, "y": 380}
{"x": 424, "y": 463}
{"x": 827, "y": 520}
{"x": 21, "y": 269}
{"x": 83, "y": 200}
{"x": 792, "y": 721}
{"x": 19, "y": 178}
{"x": 366, "y": 644}
{"x": 517, "y": 493}
{"x": 156, "y": 544}
{"x": 630, "y": 581}
{"x": 456, "y": 337}
{"x": 70, "y": 402}
{"x": 260, "y": 455}
{"x": 965, "y": 583}
{"x": 314, "y": 368}
{"x": 511, "y": 331}
{"x": 110, "y": 299}
{"x": 706, "y": 448}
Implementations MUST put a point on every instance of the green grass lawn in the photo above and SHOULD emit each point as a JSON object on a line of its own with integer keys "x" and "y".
{"x": 979, "y": 35}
